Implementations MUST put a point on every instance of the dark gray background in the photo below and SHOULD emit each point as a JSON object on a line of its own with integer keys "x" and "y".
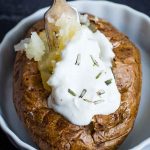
{"x": 12, "y": 11}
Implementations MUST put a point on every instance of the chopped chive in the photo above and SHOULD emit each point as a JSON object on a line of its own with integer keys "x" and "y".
{"x": 100, "y": 56}
{"x": 83, "y": 93}
{"x": 57, "y": 35}
{"x": 95, "y": 102}
{"x": 98, "y": 101}
{"x": 78, "y": 60}
{"x": 98, "y": 75}
{"x": 108, "y": 81}
{"x": 100, "y": 92}
{"x": 88, "y": 101}
{"x": 93, "y": 27}
{"x": 95, "y": 63}
{"x": 96, "y": 19}
{"x": 71, "y": 92}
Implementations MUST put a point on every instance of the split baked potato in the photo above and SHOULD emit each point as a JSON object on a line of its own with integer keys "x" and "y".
{"x": 50, "y": 130}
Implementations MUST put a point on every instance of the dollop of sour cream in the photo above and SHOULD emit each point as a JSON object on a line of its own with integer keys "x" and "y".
{"x": 83, "y": 84}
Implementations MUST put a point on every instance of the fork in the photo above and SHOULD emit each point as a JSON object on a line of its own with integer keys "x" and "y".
{"x": 58, "y": 8}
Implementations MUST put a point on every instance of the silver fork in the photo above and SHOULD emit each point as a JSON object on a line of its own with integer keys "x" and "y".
{"x": 58, "y": 8}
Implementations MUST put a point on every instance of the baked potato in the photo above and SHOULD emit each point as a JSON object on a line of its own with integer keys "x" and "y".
{"x": 50, "y": 130}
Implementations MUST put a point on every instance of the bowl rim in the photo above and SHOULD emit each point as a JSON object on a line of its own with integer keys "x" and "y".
{"x": 3, "y": 124}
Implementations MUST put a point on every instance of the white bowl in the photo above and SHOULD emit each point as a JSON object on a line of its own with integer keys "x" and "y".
{"x": 133, "y": 23}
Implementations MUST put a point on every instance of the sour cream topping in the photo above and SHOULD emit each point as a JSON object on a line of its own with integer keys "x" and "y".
{"x": 83, "y": 84}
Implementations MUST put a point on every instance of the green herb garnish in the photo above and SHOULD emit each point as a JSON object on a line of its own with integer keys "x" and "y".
{"x": 98, "y": 75}
{"x": 95, "y": 63}
{"x": 83, "y": 93}
{"x": 78, "y": 60}
{"x": 100, "y": 92}
{"x": 108, "y": 81}
{"x": 71, "y": 92}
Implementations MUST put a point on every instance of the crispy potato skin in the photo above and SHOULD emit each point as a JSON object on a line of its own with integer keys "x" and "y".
{"x": 50, "y": 130}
